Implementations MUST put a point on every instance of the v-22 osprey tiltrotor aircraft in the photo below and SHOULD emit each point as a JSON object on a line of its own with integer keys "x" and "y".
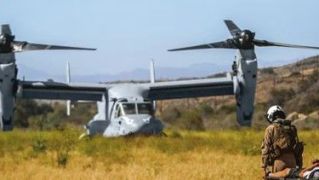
{"x": 128, "y": 108}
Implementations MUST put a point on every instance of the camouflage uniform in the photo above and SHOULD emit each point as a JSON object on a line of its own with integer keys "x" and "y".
{"x": 274, "y": 149}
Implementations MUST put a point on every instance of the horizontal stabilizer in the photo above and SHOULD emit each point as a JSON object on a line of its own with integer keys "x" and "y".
{"x": 5, "y": 29}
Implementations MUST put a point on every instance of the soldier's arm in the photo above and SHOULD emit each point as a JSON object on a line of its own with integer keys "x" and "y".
{"x": 267, "y": 146}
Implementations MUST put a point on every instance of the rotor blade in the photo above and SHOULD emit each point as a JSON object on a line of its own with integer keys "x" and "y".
{"x": 222, "y": 44}
{"x": 232, "y": 27}
{"x": 5, "y": 29}
{"x": 19, "y": 46}
{"x": 269, "y": 43}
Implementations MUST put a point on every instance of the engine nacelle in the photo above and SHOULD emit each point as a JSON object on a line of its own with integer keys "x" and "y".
{"x": 245, "y": 86}
{"x": 7, "y": 94}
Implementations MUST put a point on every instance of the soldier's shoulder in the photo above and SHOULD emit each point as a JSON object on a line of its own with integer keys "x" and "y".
{"x": 271, "y": 127}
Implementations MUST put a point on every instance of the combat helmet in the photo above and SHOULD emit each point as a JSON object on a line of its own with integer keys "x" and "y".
{"x": 274, "y": 112}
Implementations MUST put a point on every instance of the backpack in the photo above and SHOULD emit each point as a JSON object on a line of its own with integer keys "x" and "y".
{"x": 285, "y": 137}
{"x": 286, "y": 140}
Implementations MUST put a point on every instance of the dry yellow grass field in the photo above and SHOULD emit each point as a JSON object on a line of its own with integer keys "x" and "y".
{"x": 184, "y": 155}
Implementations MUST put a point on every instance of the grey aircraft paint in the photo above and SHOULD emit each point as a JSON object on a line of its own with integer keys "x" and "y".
{"x": 114, "y": 120}
{"x": 245, "y": 85}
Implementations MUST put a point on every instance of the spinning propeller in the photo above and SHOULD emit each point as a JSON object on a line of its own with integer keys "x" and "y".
{"x": 242, "y": 39}
{"x": 9, "y": 45}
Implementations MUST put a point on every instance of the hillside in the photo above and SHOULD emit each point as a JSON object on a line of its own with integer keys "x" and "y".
{"x": 294, "y": 86}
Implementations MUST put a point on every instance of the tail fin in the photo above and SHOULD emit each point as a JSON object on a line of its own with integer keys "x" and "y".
{"x": 152, "y": 72}
{"x": 68, "y": 73}
{"x": 5, "y": 29}
{"x": 152, "y": 79}
{"x": 68, "y": 80}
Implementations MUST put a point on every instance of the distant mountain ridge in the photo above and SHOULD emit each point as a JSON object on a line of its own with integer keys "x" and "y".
{"x": 162, "y": 73}
{"x": 196, "y": 70}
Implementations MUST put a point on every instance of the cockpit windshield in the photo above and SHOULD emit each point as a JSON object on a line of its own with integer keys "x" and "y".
{"x": 144, "y": 108}
{"x": 129, "y": 108}
{"x": 135, "y": 108}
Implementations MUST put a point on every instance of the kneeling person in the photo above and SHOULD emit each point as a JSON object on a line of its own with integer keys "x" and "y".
{"x": 280, "y": 147}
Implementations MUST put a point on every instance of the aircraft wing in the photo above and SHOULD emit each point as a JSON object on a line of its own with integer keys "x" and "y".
{"x": 191, "y": 88}
{"x": 61, "y": 91}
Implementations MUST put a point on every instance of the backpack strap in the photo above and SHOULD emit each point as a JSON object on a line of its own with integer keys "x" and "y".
{"x": 294, "y": 173}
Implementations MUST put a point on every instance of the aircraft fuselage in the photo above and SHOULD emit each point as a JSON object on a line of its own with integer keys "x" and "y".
{"x": 126, "y": 111}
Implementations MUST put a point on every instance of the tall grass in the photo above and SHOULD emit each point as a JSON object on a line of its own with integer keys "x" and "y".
{"x": 180, "y": 155}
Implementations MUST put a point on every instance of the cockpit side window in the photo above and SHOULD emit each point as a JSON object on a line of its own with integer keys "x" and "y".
{"x": 129, "y": 108}
{"x": 145, "y": 108}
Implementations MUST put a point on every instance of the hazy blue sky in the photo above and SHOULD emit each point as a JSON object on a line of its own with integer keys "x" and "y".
{"x": 129, "y": 33}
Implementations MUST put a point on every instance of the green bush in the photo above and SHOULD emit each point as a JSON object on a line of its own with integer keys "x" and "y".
{"x": 226, "y": 109}
{"x": 281, "y": 96}
{"x": 205, "y": 109}
{"x": 28, "y": 108}
{"x": 62, "y": 158}
{"x": 62, "y": 143}
{"x": 191, "y": 120}
{"x": 170, "y": 115}
{"x": 269, "y": 70}
{"x": 39, "y": 145}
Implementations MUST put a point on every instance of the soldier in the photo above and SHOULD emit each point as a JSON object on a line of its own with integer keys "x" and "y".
{"x": 280, "y": 147}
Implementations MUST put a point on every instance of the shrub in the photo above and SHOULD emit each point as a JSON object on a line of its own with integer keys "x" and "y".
{"x": 281, "y": 96}
{"x": 314, "y": 76}
{"x": 307, "y": 83}
{"x": 28, "y": 108}
{"x": 62, "y": 158}
{"x": 39, "y": 145}
{"x": 205, "y": 109}
{"x": 226, "y": 109}
{"x": 191, "y": 120}
{"x": 37, "y": 122}
{"x": 170, "y": 115}
{"x": 268, "y": 70}
{"x": 62, "y": 144}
